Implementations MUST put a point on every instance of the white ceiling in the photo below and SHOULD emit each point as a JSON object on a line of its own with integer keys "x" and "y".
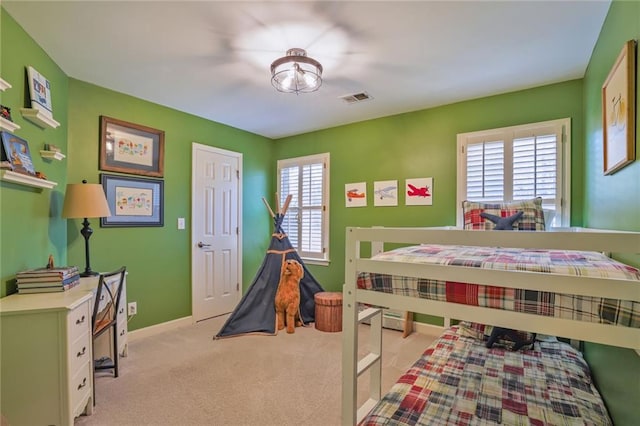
{"x": 212, "y": 58}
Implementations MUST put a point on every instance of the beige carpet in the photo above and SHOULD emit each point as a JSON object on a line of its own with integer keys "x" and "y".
{"x": 184, "y": 377}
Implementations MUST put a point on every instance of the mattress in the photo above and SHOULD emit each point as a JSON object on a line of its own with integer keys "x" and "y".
{"x": 568, "y": 262}
{"x": 458, "y": 381}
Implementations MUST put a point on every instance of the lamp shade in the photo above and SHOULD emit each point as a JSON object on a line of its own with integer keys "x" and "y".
{"x": 85, "y": 200}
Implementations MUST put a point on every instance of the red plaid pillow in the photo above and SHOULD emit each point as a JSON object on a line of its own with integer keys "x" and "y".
{"x": 532, "y": 218}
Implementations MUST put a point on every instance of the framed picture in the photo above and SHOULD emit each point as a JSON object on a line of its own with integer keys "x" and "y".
{"x": 618, "y": 111}
{"x": 133, "y": 201}
{"x": 355, "y": 194}
{"x": 40, "y": 92}
{"x": 419, "y": 192}
{"x": 385, "y": 193}
{"x": 131, "y": 148}
{"x": 15, "y": 150}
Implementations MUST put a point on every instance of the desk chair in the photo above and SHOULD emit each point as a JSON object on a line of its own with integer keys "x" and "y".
{"x": 105, "y": 317}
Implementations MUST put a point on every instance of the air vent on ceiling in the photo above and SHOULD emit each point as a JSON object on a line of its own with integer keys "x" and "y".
{"x": 356, "y": 97}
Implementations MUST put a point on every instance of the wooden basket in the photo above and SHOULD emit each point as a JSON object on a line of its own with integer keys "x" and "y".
{"x": 328, "y": 311}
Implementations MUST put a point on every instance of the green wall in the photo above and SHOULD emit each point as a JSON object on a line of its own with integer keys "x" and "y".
{"x": 158, "y": 260}
{"x": 612, "y": 202}
{"x": 423, "y": 144}
{"x": 29, "y": 217}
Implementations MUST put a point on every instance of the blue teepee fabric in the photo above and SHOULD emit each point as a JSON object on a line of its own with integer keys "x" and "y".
{"x": 256, "y": 311}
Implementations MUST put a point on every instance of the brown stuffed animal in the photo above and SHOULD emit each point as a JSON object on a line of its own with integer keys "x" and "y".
{"x": 288, "y": 296}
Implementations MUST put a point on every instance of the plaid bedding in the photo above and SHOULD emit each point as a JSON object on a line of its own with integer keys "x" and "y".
{"x": 458, "y": 381}
{"x": 581, "y": 263}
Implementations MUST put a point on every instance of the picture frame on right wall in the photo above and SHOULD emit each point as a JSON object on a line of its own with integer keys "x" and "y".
{"x": 618, "y": 111}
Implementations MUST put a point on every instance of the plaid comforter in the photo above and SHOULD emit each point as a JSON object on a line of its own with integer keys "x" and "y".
{"x": 580, "y": 263}
{"x": 458, "y": 381}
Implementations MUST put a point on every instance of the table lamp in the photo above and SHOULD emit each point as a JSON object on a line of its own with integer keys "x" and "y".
{"x": 85, "y": 200}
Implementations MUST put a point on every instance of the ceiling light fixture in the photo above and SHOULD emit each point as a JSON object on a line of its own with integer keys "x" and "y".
{"x": 296, "y": 73}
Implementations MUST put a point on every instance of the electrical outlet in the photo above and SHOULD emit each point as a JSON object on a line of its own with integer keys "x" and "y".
{"x": 132, "y": 308}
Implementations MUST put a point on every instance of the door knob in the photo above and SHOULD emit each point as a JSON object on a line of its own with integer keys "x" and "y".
{"x": 201, "y": 244}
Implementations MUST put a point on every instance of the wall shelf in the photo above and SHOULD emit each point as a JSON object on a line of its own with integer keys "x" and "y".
{"x": 9, "y": 176}
{"x": 38, "y": 118}
{"x": 52, "y": 155}
{"x": 4, "y": 85}
{"x": 7, "y": 125}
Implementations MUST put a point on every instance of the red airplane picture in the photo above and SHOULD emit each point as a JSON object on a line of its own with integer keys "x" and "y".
{"x": 418, "y": 192}
{"x": 353, "y": 193}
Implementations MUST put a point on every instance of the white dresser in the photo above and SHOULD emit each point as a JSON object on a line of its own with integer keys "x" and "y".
{"x": 46, "y": 357}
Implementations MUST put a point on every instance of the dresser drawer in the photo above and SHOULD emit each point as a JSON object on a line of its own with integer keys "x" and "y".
{"x": 79, "y": 321}
{"x": 80, "y": 388}
{"x": 80, "y": 353}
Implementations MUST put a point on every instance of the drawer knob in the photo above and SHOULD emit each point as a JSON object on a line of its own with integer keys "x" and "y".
{"x": 84, "y": 350}
{"x": 83, "y": 384}
{"x": 80, "y": 320}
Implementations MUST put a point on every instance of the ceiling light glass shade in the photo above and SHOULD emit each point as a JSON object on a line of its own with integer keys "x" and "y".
{"x": 296, "y": 73}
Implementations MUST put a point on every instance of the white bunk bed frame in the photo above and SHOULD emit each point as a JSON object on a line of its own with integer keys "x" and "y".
{"x": 555, "y": 238}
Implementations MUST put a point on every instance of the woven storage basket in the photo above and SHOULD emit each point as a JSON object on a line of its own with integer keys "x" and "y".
{"x": 328, "y": 311}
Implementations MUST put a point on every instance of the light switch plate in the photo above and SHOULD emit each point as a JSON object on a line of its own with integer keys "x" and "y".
{"x": 181, "y": 223}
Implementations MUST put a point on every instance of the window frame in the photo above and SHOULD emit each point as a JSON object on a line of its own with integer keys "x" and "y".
{"x": 324, "y": 158}
{"x": 561, "y": 127}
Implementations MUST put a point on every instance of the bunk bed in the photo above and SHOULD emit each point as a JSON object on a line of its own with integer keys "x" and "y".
{"x": 619, "y": 292}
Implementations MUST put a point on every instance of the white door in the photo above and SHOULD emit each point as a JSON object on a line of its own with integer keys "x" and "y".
{"x": 215, "y": 236}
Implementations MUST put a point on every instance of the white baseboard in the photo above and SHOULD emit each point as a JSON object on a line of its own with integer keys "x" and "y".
{"x": 430, "y": 329}
{"x": 159, "y": 328}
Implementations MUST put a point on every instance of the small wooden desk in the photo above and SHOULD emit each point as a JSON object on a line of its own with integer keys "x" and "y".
{"x": 46, "y": 354}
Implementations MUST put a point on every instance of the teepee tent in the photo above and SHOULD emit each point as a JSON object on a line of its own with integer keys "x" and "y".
{"x": 256, "y": 311}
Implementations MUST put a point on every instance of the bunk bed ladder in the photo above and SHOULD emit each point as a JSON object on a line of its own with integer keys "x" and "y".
{"x": 371, "y": 362}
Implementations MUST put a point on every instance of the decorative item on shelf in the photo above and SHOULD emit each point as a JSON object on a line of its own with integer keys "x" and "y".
{"x": 131, "y": 148}
{"x": 5, "y": 112}
{"x": 15, "y": 150}
{"x": 6, "y": 165}
{"x": 85, "y": 200}
{"x": 6, "y": 121}
{"x": 618, "y": 111}
{"x": 133, "y": 201}
{"x": 296, "y": 72}
{"x": 40, "y": 92}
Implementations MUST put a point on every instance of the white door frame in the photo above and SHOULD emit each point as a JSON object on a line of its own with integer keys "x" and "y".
{"x": 194, "y": 238}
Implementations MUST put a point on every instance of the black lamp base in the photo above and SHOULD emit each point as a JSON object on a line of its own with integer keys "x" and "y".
{"x": 89, "y": 274}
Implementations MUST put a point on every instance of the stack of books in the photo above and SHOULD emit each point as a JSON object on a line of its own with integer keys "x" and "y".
{"x": 48, "y": 280}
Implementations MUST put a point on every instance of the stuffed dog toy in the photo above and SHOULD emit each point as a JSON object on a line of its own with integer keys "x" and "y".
{"x": 288, "y": 296}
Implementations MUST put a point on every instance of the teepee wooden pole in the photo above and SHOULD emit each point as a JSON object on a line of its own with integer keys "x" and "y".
{"x": 286, "y": 205}
{"x": 268, "y": 207}
{"x": 277, "y": 203}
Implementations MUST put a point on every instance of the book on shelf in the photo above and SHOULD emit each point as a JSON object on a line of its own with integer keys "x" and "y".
{"x": 52, "y": 289}
{"x": 47, "y": 281}
{"x": 60, "y": 272}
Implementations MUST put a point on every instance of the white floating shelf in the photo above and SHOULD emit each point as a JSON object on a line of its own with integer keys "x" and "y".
{"x": 7, "y": 125}
{"x": 9, "y": 176}
{"x": 38, "y": 118}
{"x": 52, "y": 155}
{"x": 4, "y": 85}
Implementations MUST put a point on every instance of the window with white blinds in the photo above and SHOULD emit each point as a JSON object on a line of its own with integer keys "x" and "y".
{"x": 306, "y": 221}
{"x": 518, "y": 163}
